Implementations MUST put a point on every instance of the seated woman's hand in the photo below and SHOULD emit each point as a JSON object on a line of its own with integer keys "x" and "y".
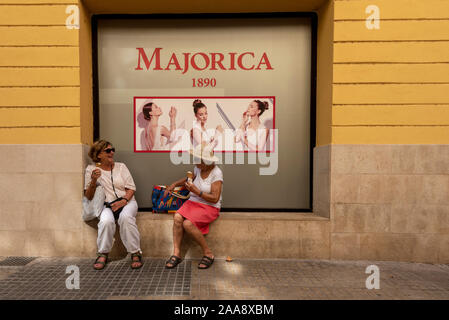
{"x": 95, "y": 174}
{"x": 117, "y": 205}
{"x": 170, "y": 188}
{"x": 192, "y": 188}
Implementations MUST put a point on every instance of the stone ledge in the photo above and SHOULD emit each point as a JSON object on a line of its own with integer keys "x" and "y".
{"x": 290, "y": 216}
{"x": 292, "y": 235}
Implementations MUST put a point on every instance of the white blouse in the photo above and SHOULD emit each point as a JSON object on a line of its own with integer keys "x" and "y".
{"x": 121, "y": 176}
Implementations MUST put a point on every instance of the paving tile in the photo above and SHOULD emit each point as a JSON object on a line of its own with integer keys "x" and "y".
{"x": 241, "y": 279}
{"x": 48, "y": 279}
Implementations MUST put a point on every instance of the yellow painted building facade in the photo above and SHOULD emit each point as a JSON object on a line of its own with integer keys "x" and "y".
{"x": 381, "y": 165}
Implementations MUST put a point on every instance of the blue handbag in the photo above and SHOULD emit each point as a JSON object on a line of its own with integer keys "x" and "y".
{"x": 171, "y": 202}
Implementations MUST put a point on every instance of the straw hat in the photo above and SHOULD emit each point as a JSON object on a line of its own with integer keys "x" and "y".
{"x": 204, "y": 152}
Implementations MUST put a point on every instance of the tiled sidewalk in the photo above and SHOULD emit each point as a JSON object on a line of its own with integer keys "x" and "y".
{"x": 45, "y": 278}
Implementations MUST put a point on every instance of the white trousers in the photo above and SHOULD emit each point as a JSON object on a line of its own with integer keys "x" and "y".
{"x": 128, "y": 229}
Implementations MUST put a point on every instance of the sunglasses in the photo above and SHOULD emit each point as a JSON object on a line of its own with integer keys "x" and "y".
{"x": 109, "y": 150}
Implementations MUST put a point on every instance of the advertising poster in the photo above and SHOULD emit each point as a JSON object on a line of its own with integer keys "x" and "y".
{"x": 229, "y": 124}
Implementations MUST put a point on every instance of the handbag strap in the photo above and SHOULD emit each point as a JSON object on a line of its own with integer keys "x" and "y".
{"x": 112, "y": 180}
{"x": 180, "y": 196}
{"x": 177, "y": 195}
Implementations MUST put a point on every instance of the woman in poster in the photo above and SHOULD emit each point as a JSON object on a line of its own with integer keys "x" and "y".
{"x": 252, "y": 132}
{"x": 199, "y": 132}
{"x": 157, "y": 137}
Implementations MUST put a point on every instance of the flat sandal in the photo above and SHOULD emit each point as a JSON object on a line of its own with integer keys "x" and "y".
{"x": 103, "y": 263}
{"x": 138, "y": 255}
{"x": 174, "y": 261}
{"x": 207, "y": 261}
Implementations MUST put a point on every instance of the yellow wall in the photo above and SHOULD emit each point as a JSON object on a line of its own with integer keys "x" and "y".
{"x": 39, "y": 73}
{"x": 391, "y": 86}
{"x": 374, "y": 86}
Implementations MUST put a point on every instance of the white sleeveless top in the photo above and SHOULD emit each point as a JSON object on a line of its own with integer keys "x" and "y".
{"x": 205, "y": 185}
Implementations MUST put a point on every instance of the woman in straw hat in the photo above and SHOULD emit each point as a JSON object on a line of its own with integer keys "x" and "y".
{"x": 201, "y": 209}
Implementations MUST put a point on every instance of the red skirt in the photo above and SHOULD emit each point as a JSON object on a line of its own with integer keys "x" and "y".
{"x": 201, "y": 215}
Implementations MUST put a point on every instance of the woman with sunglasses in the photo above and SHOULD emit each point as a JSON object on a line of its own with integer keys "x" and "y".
{"x": 117, "y": 183}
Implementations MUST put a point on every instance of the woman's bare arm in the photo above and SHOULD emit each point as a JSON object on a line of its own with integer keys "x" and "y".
{"x": 215, "y": 192}
{"x": 90, "y": 191}
{"x": 175, "y": 184}
{"x": 212, "y": 196}
{"x": 129, "y": 193}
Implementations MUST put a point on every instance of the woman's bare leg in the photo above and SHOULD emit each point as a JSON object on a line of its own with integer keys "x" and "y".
{"x": 178, "y": 232}
{"x": 196, "y": 234}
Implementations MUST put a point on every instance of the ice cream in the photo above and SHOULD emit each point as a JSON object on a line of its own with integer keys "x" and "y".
{"x": 189, "y": 176}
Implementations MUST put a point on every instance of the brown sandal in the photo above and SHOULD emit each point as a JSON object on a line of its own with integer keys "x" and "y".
{"x": 139, "y": 256}
{"x": 102, "y": 263}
